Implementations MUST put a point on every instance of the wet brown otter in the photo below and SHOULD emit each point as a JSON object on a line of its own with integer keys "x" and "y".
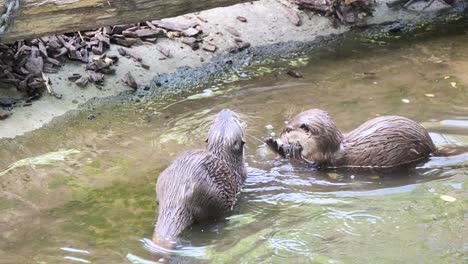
{"x": 385, "y": 142}
{"x": 202, "y": 184}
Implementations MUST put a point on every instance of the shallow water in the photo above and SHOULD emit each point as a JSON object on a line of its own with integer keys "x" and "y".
{"x": 82, "y": 191}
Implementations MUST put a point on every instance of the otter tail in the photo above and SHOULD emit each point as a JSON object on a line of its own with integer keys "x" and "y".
{"x": 171, "y": 222}
{"x": 450, "y": 151}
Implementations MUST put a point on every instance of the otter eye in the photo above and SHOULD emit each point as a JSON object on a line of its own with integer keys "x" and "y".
{"x": 305, "y": 127}
{"x": 288, "y": 129}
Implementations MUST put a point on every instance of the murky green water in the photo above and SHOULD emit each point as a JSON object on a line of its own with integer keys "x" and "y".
{"x": 83, "y": 191}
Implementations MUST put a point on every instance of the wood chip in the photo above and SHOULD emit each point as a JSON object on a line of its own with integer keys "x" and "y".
{"x": 190, "y": 32}
{"x": 191, "y": 41}
{"x": 130, "y": 81}
{"x": 82, "y": 82}
{"x": 294, "y": 74}
{"x": 148, "y": 33}
{"x": 209, "y": 47}
{"x": 163, "y": 51}
{"x": 241, "y": 19}
{"x": 95, "y": 77}
{"x": 74, "y": 77}
{"x": 130, "y": 34}
{"x": 233, "y": 31}
{"x": 173, "y": 26}
{"x": 294, "y": 17}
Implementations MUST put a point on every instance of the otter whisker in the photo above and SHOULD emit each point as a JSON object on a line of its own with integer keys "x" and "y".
{"x": 259, "y": 140}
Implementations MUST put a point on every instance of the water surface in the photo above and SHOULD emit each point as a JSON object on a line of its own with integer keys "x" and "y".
{"x": 82, "y": 191}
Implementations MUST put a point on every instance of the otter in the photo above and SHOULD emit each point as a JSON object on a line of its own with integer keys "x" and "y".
{"x": 386, "y": 142}
{"x": 202, "y": 184}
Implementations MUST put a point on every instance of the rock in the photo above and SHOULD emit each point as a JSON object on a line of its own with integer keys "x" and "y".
{"x": 130, "y": 81}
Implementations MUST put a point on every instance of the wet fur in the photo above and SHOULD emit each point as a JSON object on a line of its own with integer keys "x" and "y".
{"x": 202, "y": 184}
{"x": 383, "y": 142}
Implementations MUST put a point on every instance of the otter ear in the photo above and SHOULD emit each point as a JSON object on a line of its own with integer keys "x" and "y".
{"x": 305, "y": 128}
{"x": 206, "y": 140}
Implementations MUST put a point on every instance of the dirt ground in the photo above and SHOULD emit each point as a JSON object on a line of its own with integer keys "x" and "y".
{"x": 267, "y": 24}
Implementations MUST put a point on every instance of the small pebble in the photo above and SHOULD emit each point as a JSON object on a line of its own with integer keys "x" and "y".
{"x": 406, "y": 101}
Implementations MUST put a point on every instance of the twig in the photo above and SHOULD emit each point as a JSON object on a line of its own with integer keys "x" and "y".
{"x": 81, "y": 37}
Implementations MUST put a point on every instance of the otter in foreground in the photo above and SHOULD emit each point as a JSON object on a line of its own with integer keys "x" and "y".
{"x": 202, "y": 184}
{"x": 387, "y": 142}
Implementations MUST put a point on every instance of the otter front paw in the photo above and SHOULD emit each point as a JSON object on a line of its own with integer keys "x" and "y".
{"x": 272, "y": 143}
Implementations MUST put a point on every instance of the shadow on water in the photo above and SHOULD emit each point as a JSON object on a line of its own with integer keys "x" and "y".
{"x": 83, "y": 191}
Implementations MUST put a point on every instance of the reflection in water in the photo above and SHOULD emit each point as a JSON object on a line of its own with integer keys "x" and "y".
{"x": 99, "y": 206}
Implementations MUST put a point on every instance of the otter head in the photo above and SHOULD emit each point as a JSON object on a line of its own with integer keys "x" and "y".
{"x": 226, "y": 136}
{"x": 311, "y": 136}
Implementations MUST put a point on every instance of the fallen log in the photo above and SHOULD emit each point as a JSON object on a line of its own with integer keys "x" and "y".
{"x": 35, "y": 18}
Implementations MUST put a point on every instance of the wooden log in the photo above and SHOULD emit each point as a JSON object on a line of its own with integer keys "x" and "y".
{"x": 36, "y": 18}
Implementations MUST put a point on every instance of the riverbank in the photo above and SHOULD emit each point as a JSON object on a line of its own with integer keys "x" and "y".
{"x": 267, "y": 26}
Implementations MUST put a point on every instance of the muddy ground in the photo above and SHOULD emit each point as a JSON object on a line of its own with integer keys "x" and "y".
{"x": 268, "y": 24}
